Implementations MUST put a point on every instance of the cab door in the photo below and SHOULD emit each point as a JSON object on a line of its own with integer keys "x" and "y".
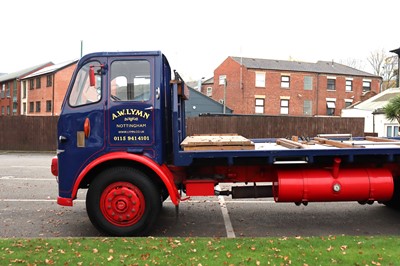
{"x": 134, "y": 101}
{"x": 81, "y": 126}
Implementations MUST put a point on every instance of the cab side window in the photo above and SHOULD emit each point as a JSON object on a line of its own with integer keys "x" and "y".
{"x": 130, "y": 81}
{"x": 82, "y": 93}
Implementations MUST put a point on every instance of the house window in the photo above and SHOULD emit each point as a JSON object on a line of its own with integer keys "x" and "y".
{"x": 284, "y": 107}
{"x": 38, "y": 83}
{"x": 48, "y": 106}
{"x": 330, "y": 107}
{"x": 392, "y": 131}
{"x": 31, "y": 84}
{"x": 209, "y": 91}
{"x": 8, "y": 90}
{"x": 49, "y": 82}
{"x": 15, "y": 92}
{"x": 2, "y": 110}
{"x": 348, "y": 102}
{"x": 15, "y": 106}
{"x": 331, "y": 84}
{"x": 307, "y": 107}
{"x": 37, "y": 107}
{"x": 308, "y": 80}
{"x": 24, "y": 89}
{"x": 8, "y": 110}
{"x": 259, "y": 106}
{"x": 24, "y": 108}
{"x": 31, "y": 107}
{"x": 366, "y": 85}
{"x": 349, "y": 85}
{"x": 260, "y": 79}
{"x": 3, "y": 90}
{"x": 285, "y": 82}
{"x": 222, "y": 80}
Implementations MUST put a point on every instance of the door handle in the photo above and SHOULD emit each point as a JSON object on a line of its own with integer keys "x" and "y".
{"x": 158, "y": 93}
{"x": 62, "y": 139}
{"x": 149, "y": 108}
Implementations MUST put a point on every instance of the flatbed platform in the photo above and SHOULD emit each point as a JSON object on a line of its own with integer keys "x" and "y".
{"x": 235, "y": 148}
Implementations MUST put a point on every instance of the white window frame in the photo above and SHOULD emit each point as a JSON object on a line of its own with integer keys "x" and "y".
{"x": 209, "y": 91}
{"x": 348, "y": 102}
{"x": 394, "y": 130}
{"x": 369, "y": 82}
{"x": 260, "y": 79}
{"x": 222, "y": 79}
{"x": 307, "y": 110}
{"x": 308, "y": 86}
{"x": 334, "y": 83}
{"x": 349, "y": 85}
{"x": 285, "y": 81}
{"x": 259, "y": 106}
{"x": 330, "y": 105}
{"x": 284, "y": 106}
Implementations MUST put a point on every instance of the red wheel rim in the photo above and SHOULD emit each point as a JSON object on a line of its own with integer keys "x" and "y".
{"x": 122, "y": 204}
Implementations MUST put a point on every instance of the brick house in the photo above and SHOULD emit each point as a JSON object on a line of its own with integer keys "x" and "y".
{"x": 276, "y": 87}
{"x": 10, "y": 88}
{"x": 43, "y": 91}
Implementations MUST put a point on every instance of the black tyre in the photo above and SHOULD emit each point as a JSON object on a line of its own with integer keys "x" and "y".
{"x": 123, "y": 201}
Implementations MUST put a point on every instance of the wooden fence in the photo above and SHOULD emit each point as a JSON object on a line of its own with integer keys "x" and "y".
{"x": 254, "y": 126}
{"x": 22, "y": 133}
{"x": 28, "y": 133}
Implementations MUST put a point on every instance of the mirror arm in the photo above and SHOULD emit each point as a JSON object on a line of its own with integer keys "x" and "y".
{"x": 92, "y": 78}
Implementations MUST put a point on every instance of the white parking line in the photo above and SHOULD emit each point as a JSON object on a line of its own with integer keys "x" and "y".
{"x": 11, "y": 178}
{"x": 34, "y": 200}
{"x": 230, "y": 233}
{"x": 25, "y": 166}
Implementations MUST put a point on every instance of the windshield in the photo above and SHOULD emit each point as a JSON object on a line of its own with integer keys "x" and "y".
{"x": 82, "y": 93}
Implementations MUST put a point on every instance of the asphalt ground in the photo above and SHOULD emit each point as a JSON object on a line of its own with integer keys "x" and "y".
{"x": 28, "y": 208}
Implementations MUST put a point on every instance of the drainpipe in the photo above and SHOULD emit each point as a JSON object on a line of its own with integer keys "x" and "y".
{"x": 52, "y": 95}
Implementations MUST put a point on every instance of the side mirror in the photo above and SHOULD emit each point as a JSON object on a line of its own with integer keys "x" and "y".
{"x": 92, "y": 78}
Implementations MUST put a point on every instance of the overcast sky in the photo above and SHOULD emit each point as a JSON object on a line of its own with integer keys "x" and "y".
{"x": 196, "y": 36}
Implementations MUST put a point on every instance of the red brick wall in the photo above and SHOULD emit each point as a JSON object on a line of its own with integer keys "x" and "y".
{"x": 241, "y": 90}
{"x": 62, "y": 80}
{"x": 54, "y": 93}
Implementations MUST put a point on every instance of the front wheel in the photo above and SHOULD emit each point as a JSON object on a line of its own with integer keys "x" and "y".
{"x": 123, "y": 201}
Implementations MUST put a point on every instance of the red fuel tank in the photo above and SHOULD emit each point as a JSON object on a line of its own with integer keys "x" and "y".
{"x": 314, "y": 185}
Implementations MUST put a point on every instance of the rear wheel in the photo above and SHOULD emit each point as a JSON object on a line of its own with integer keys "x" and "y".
{"x": 123, "y": 201}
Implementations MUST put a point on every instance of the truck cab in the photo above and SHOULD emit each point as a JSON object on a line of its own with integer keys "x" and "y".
{"x": 115, "y": 112}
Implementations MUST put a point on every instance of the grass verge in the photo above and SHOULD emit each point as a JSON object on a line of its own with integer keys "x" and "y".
{"x": 331, "y": 250}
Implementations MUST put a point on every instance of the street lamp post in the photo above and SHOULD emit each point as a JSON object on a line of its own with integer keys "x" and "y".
{"x": 397, "y": 51}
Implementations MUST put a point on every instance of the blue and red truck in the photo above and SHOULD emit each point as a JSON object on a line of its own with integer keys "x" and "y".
{"x": 121, "y": 136}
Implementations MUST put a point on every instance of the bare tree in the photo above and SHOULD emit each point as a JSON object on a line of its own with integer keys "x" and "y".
{"x": 354, "y": 63}
{"x": 384, "y": 66}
